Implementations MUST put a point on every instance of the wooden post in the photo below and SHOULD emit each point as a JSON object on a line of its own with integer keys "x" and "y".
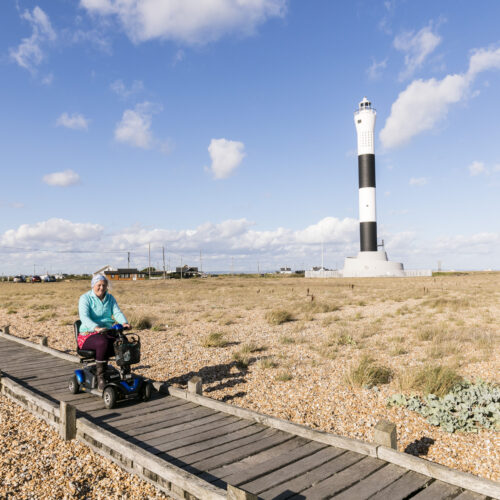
{"x": 0, "y": 381}
{"x": 194, "y": 385}
{"x": 67, "y": 421}
{"x": 385, "y": 434}
{"x": 234, "y": 493}
{"x": 44, "y": 341}
{"x": 6, "y": 329}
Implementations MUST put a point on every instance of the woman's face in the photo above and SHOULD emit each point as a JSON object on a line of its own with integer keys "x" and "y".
{"x": 100, "y": 288}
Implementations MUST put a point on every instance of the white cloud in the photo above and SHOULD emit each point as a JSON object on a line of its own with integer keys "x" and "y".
{"x": 74, "y": 121}
{"x": 418, "y": 181}
{"x": 62, "y": 179}
{"x": 424, "y": 103}
{"x": 50, "y": 232}
{"x": 29, "y": 53}
{"x": 187, "y": 21}
{"x": 48, "y": 79}
{"x": 375, "y": 70}
{"x": 226, "y": 156}
{"x": 416, "y": 47}
{"x": 135, "y": 126}
{"x": 476, "y": 168}
{"x": 119, "y": 88}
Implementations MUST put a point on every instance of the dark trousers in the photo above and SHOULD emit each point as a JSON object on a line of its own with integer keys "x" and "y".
{"x": 102, "y": 344}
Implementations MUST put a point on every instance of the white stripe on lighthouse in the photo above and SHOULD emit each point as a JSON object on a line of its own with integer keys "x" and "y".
{"x": 367, "y": 206}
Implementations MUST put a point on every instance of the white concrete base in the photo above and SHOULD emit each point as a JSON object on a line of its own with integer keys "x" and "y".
{"x": 371, "y": 264}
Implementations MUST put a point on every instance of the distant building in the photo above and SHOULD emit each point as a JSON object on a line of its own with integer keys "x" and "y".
{"x": 103, "y": 270}
{"x": 187, "y": 272}
{"x": 285, "y": 270}
{"x": 124, "y": 275}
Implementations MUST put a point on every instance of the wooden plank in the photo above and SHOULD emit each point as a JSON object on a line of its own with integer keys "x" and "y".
{"x": 166, "y": 419}
{"x": 440, "y": 472}
{"x": 214, "y": 453}
{"x": 267, "y": 468}
{"x": 342, "y": 480}
{"x": 405, "y": 486}
{"x": 150, "y": 415}
{"x": 438, "y": 490}
{"x": 132, "y": 411}
{"x": 104, "y": 415}
{"x": 31, "y": 364}
{"x": 192, "y": 431}
{"x": 199, "y": 437}
{"x": 257, "y": 480}
{"x": 252, "y": 460}
{"x": 236, "y": 450}
{"x": 212, "y": 444}
{"x": 305, "y": 481}
{"x": 470, "y": 495}
{"x": 280, "y": 424}
{"x": 374, "y": 483}
{"x": 173, "y": 429}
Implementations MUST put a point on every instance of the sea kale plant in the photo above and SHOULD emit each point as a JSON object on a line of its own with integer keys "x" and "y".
{"x": 466, "y": 408}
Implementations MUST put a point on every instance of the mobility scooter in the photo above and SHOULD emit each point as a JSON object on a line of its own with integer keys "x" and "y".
{"x": 121, "y": 384}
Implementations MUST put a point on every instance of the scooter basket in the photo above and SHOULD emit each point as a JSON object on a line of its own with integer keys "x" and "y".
{"x": 127, "y": 351}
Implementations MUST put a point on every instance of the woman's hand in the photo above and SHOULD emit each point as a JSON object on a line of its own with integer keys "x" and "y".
{"x": 126, "y": 326}
{"x": 99, "y": 329}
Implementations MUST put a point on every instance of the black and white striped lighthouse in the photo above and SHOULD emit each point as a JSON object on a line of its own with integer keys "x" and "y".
{"x": 364, "y": 119}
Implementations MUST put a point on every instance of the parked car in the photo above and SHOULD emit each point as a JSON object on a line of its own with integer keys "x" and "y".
{"x": 48, "y": 279}
{"x": 36, "y": 279}
{"x": 19, "y": 279}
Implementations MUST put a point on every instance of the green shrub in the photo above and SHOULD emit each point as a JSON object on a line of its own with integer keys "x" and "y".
{"x": 278, "y": 317}
{"x": 142, "y": 323}
{"x": 242, "y": 360}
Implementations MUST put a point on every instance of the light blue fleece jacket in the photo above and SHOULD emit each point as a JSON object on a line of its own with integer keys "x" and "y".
{"x": 96, "y": 312}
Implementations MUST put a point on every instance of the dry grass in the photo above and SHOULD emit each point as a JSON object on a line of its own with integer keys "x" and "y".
{"x": 429, "y": 379}
{"x": 367, "y": 373}
{"x": 278, "y": 317}
{"x": 214, "y": 339}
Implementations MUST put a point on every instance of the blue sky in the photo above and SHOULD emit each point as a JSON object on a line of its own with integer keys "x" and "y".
{"x": 226, "y": 127}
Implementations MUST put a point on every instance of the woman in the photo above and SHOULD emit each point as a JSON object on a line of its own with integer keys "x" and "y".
{"x": 98, "y": 312}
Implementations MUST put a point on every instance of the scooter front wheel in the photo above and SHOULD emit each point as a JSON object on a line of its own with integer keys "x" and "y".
{"x": 147, "y": 391}
{"x": 73, "y": 385}
{"x": 109, "y": 397}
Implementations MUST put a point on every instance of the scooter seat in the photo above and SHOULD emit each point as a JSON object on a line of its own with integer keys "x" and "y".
{"x": 86, "y": 353}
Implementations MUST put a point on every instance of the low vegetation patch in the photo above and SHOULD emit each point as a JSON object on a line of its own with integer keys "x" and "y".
{"x": 430, "y": 379}
{"x": 368, "y": 374}
{"x": 214, "y": 339}
{"x": 266, "y": 363}
{"x": 466, "y": 408}
{"x": 278, "y": 317}
{"x": 142, "y": 323}
{"x": 242, "y": 360}
{"x": 284, "y": 376}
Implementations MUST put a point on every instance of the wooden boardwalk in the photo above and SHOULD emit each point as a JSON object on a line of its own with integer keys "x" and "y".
{"x": 223, "y": 449}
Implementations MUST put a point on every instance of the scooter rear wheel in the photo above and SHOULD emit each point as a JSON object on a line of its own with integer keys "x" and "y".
{"x": 147, "y": 391}
{"x": 73, "y": 385}
{"x": 109, "y": 397}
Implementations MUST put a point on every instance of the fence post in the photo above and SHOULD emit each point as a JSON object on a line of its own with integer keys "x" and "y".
{"x": 194, "y": 385}
{"x": 67, "y": 421}
{"x": 234, "y": 493}
{"x": 6, "y": 329}
{"x": 44, "y": 341}
{"x": 385, "y": 434}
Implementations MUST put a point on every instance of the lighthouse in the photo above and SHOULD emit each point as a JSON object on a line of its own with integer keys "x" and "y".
{"x": 371, "y": 260}
{"x": 364, "y": 119}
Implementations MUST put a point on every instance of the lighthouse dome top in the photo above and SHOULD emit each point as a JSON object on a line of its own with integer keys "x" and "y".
{"x": 365, "y": 104}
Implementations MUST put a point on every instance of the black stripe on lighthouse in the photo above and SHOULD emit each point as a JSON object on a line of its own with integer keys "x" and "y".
{"x": 366, "y": 170}
{"x": 367, "y": 229}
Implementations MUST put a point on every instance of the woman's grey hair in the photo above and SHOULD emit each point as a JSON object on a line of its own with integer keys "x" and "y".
{"x": 97, "y": 278}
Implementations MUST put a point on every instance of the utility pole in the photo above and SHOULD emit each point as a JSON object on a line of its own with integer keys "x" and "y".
{"x": 128, "y": 260}
{"x": 232, "y": 265}
{"x": 201, "y": 264}
{"x": 149, "y": 260}
{"x": 163, "y": 251}
{"x": 258, "y": 267}
{"x": 322, "y": 267}
{"x": 181, "y": 266}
